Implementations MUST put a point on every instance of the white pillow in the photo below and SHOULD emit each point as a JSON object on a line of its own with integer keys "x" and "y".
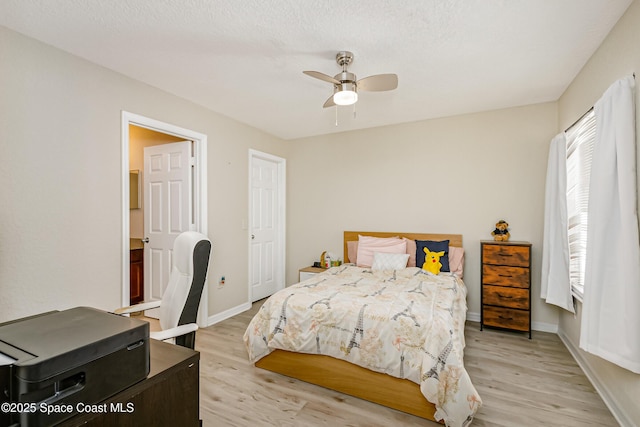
{"x": 368, "y": 245}
{"x": 387, "y": 261}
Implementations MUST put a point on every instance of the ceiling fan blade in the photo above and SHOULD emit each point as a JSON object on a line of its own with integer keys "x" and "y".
{"x": 329, "y": 103}
{"x": 321, "y": 76}
{"x": 378, "y": 83}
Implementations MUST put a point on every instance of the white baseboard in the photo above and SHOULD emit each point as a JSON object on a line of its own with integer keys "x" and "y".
{"x": 599, "y": 385}
{"x": 216, "y": 318}
{"x": 473, "y": 317}
{"x": 536, "y": 326}
{"x": 544, "y": 327}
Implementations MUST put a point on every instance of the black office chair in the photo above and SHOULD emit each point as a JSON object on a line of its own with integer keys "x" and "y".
{"x": 180, "y": 301}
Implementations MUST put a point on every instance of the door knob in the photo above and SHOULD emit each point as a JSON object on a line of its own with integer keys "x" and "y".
{"x": 145, "y": 240}
{"x": 253, "y": 237}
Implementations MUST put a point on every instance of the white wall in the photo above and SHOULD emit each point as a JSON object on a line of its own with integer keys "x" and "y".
{"x": 618, "y": 56}
{"x": 60, "y": 173}
{"x": 453, "y": 175}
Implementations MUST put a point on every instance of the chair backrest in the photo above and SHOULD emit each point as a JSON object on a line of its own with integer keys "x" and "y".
{"x": 181, "y": 299}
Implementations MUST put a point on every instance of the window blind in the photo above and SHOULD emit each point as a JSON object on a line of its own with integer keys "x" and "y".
{"x": 580, "y": 141}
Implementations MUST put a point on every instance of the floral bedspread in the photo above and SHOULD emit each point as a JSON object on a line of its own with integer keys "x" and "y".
{"x": 405, "y": 323}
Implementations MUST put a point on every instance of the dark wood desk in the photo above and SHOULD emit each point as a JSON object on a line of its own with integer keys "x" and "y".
{"x": 169, "y": 396}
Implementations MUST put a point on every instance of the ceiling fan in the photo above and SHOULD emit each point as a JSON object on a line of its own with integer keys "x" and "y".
{"x": 345, "y": 85}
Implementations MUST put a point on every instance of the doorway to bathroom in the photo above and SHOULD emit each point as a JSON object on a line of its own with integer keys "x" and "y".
{"x": 146, "y": 249}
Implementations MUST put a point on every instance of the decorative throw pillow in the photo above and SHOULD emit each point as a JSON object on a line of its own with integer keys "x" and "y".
{"x": 386, "y": 261}
{"x": 367, "y": 246}
{"x": 411, "y": 250}
{"x": 456, "y": 261}
{"x": 352, "y": 251}
{"x": 433, "y": 246}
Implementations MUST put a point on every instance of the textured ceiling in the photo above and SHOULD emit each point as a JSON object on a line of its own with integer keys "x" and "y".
{"x": 244, "y": 59}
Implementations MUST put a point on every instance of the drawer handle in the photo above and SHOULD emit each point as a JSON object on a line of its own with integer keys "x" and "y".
{"x": 505, "y": 275}
{"x": 506, "y": 254}
{"x": 504, "y": 296}
{"x": 505, "y": 318}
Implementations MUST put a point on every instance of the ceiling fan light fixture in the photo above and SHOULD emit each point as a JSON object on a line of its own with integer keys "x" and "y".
{"x": 346, "y": 94}
{"x": 345, "y": 97}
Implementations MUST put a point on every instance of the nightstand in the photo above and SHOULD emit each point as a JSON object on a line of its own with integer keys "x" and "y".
{"x": 309, "y": 272}
{"x": 506, "y": 285}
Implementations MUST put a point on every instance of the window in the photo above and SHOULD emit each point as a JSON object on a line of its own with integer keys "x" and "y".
{"x": 580, "y": 141}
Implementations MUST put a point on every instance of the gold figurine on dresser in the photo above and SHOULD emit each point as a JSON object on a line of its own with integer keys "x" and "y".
{"x": 506, "y": 285}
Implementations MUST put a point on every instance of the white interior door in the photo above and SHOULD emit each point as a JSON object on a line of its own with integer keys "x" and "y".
{"x": 167, "y": 211}
{"x": 266, "y": 226}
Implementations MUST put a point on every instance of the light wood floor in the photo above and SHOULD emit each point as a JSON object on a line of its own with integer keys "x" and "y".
{"x": 522, "y": 383}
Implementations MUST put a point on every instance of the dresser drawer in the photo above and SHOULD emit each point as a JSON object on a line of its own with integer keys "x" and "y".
{"x": 505, "y": 297}
{"x": 506, "y": 318}
{"x": 506, "y": 255}
{"x": 501, "y": 275}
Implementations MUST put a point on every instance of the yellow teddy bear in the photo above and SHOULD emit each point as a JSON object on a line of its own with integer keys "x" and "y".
{"x": 432, "y": 262}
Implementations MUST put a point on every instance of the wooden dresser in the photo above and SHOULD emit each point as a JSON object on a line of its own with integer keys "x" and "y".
{"x": 506, "y": 285}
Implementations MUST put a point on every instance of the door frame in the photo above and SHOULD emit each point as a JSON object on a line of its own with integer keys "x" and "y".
{"x": 281, "y": 223}
{"x": 199, "y": 193}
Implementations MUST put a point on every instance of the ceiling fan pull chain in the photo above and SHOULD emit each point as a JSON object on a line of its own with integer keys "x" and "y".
{"x": 336, "y": 116}
{"x": 354, "y": 111}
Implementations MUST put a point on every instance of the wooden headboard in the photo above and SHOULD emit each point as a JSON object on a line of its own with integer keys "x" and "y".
{"x": 454, "y": 239}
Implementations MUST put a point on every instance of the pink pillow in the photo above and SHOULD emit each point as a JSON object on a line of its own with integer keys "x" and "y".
{"x": 411, "y": 250}
{"x": 456, "y": 260}
{"x": 352, "y": 251}
{"x": 367, "y": 246}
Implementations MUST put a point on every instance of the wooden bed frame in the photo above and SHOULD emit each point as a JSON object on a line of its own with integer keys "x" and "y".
{"x": 345, "y": 377}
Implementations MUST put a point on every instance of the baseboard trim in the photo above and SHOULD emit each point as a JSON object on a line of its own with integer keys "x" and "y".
{"x": 536, "y": 326}
{"x": 544, "y": 327}
{"x": 216, "y": 318}
{"x": 599, "y": 385}
{"x": 473, "y": 317}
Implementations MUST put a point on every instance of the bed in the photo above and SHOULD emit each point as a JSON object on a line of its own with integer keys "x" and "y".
{"x": 391, "y": 336}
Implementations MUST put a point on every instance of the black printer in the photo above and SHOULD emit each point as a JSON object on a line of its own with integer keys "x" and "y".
{"x": 55, "y": 364}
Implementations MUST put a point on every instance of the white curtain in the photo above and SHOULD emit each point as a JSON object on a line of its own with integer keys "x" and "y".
{"x": 611, "y": 307}
{"x": 556, "y": 285}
